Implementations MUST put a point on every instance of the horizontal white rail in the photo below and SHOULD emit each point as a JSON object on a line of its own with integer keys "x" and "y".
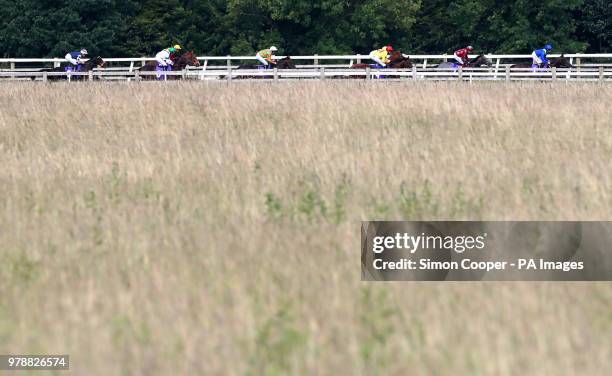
{"x": 469, "y": 74}
{"x": 497, "y": 58}
{"x": 309, "y": 57}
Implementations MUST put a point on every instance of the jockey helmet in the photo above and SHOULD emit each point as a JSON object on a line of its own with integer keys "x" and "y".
{"x": 273, "y": 49}
{"x": 470, "y": 48}
{"x": 171, "y": 49}
{"x": 389, "y": 48}
{"x": 177, "y": 46}
{"x": 83, "y": 51}
{"x": 548, "y": 47}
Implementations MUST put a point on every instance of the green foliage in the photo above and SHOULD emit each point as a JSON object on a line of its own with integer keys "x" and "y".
{"x": 126, "y": 331}
{"x": 274, "y": 206}
{"x": 497, "y": 26}
{"x": 377, "y": 315}
{"x": 36, "y": 28}
{"x": 24, "y": 270}
{"x": 310, "y": 205}
{"x": 277, "y": 340}
{"x": 414, "y": 204}
{"x": 595, "y": 24}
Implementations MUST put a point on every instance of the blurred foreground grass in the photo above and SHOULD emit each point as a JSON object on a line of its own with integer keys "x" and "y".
{"x": 212, "y": 229}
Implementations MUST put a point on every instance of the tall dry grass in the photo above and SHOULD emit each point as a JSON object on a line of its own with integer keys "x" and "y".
{"x": 214, "y": 229}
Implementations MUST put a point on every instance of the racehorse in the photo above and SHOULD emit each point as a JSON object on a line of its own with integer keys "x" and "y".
{"x": 284, "y": 63}
{"x": 476, "y": 62}
{"x": 560, "y": 62}
{"x": 90, "y": 64}
{"x": 189, "y": 58}
{"x": 397, "y": 60}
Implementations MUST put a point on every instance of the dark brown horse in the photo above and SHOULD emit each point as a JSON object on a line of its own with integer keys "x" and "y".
{"x": 187, "y": 59}
{"x": 477, "y": 62}
{"x": 90, "y": 64}
{"x": 397, "y": 60}
{"x": 284, "y": 63}
{"x": 400, "y": 61}
{"x": 560, "y": 62}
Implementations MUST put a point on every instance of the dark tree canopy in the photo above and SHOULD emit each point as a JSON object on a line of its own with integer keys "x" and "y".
{"x": 40, "y": 28}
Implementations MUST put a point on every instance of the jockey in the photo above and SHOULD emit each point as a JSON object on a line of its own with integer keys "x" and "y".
{"x": 461, "y": 55}
{"x": 539, "y": 56}
{"x": 381, "y": 56}
{"x": 265, "y": 56}
{"x": 76, "y": 57}
{"x": 164, "y": 57}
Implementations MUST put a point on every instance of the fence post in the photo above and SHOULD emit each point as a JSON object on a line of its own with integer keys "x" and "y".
{"x": 90, "y": 75}
{"x": 601, "y": 73}
{"x": 507, "y": 73}
{"x": 554, "y": 73}
{"x": 12, "y": 65}
{"x": 358, "y": 59}
{"x": 368, "y": 72}
{"x": 229, "y": 74}
{"x": 184, "y": 74}
{"x": 496, "y": 68}
{"x": 229, "y": 62}
{"x": 414, "y": 72}
{"x": 137, "y": 75}
{"x": 578, "y": 64}
{"x": 44, "y": 76}
{"x": 275, "y": 74}
{"x": 460, "y": 76}
{"x": 322, "y": 73}
{"x": 316, "y": 59}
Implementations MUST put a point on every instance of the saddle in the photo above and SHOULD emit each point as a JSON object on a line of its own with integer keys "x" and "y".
{"x": 73, "y": 69}
{"x": 161, "y": 68}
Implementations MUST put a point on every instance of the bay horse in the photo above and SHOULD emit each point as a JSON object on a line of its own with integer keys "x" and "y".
{"x": 187, "y": 59}
{"x": 476, "y": 62}
{"x": 397, "y": 60}
{"x": 284, "y": 63}
{"x": 560, "y": 62}
{"x": 90, "y": 64}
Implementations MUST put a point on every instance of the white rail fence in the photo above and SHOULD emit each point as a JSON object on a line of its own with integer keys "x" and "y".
{"x": 309, "y": 61}
{"x": 592, "y": 74}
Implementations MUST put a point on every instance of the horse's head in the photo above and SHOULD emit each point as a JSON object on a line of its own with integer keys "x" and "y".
{"x": 481, "y": 60}
{"x": 97, "y": 62}
{"x": 189, "y": 58}
{"x": 286, "y": 63}
{"x": 399, "y": 60}
{"x": 396, "y": 56}
{"x": 407, "y": 63}
{"x": 561, "y": 62}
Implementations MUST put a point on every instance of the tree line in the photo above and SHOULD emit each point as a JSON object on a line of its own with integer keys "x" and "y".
{"x": 46, "y": 28}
